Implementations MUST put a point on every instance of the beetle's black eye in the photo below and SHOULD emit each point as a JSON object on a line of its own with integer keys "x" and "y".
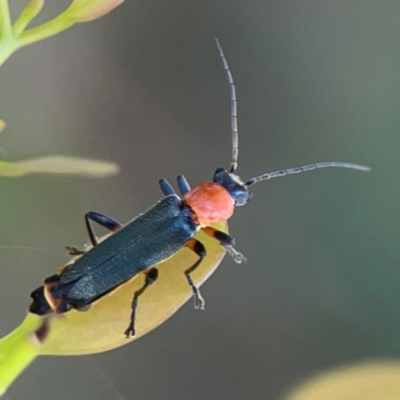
{"x": 233, "y": 185}
{"x": 242, "y": 197}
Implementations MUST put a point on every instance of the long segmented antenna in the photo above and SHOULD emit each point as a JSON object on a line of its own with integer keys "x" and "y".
{"x": 305, "y": 168}
{"x": 232, "y": 90}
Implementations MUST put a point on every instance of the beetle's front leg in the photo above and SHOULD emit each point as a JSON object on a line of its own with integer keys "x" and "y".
{"x": 236, "y": 255}
{"x": 227, "y": 242}
{"x": 151, "y": 277}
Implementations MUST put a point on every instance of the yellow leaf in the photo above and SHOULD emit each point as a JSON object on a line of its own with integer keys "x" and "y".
{"x": 64, "y": 165}
{"x": 2, "y": 125}
{"x": 78, "y": 332}
{"x": 102, "y": 327}
{"x": 372, "y": 380}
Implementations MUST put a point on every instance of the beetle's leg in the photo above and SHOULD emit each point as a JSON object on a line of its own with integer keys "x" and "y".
{"x": 166, "y": 188}
{"x": 227, "y": 242}
{"x": 102, "y": 220}
{"x": 63, "y": 308}
{"x": 151, "y": 277}
{"x": 74, "y": 251}
{"x": 183, "y": 184}
{"x": 200, "y": 250}
{"x": 86, "y": 307}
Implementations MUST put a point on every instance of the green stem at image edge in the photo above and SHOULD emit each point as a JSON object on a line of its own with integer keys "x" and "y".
{"x": 7, "y": 40}
{"x": 19, "y": 349}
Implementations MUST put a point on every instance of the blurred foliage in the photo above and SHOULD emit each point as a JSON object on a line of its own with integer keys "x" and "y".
{"x": 57, "y": 164}
{"x": 64, "y": 165}
{"x": 20, "y": 348}
{"x": 13, "y": 37}
{"x": 372, "y": 380}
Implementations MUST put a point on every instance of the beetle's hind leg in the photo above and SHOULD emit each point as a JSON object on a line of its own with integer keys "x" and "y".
{"x": 200, "y": 250}
{"x": 101, "y": 219}
{"x": 227, "y": 242}
{"x": 151, "y": 277}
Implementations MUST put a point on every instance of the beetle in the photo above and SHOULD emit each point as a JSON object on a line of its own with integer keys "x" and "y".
{"x": 152, "y": 237}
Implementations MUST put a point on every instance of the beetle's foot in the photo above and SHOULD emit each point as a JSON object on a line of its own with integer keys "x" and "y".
{"x": 130, "y": 332}
{"x": 199, "y": 302}
{"x": 238, "y": 257}
{"x": 74, "y": 251}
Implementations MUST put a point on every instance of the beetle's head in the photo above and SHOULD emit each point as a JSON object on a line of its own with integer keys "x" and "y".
{"x": 238, "y": 190}
{"x": 233, "y": 184}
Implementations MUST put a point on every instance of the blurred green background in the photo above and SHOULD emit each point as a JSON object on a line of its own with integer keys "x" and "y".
{"x": 143, "y": 86}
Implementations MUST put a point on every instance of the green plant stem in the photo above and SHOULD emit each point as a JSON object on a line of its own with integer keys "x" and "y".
{"x": 48, "y": 29}
{"x": 17, "y": 351}
{"x": 6, "y": 49}
{"x": 29, "y": 13}
{"x": 5, "y": 21}
{"x": 8, "y": 43}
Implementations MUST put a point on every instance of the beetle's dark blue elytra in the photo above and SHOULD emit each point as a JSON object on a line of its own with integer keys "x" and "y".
{"x": 140, "y": 245}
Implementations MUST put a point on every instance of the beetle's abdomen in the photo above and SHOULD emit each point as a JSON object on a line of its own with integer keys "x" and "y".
{"x": 211, "y": 203}
{"x": 39, "y": 304}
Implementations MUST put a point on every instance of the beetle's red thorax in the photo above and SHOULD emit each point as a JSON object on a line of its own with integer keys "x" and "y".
{"x": 211, "y": 203}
